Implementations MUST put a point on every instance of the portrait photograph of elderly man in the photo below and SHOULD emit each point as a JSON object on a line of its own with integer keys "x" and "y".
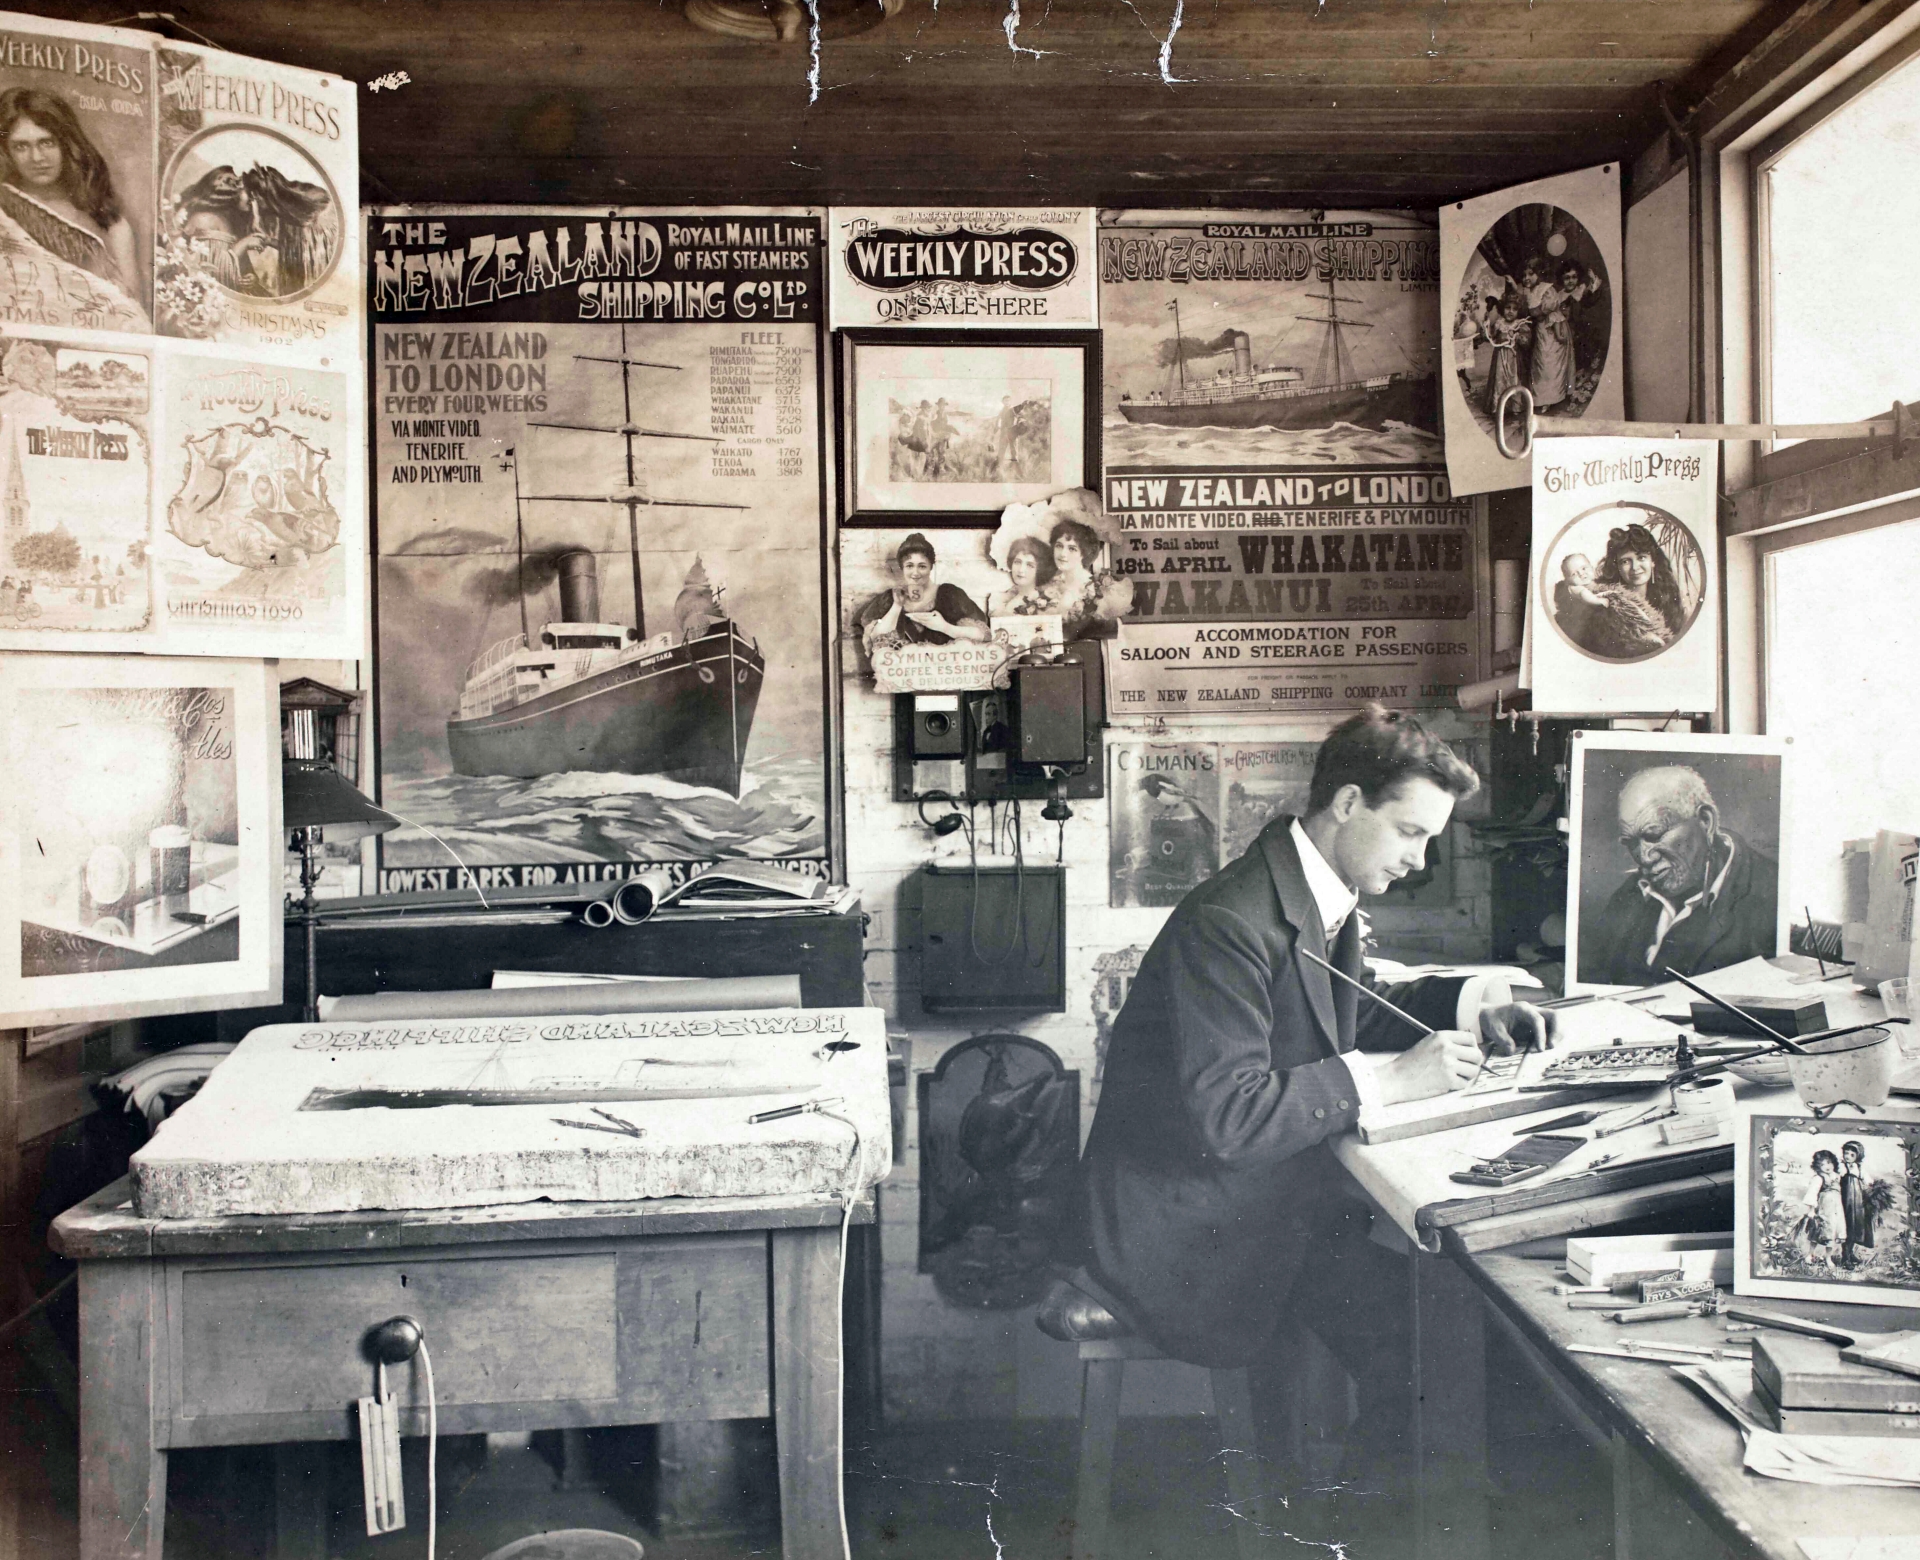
{"x": 1676, "y": 851}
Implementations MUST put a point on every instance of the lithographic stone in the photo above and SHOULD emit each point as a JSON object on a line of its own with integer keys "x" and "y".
{"x": 334, "y": 1117}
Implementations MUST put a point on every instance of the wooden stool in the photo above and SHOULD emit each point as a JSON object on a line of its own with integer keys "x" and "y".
{"x": 1103, "y": 1364}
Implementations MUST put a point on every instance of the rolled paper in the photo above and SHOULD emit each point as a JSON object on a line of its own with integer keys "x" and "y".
{"x": 615, "y": 996}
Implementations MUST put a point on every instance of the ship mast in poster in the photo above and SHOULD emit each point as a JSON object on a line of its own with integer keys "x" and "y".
{"x": 1272, "y": 449}
{"x": 600, "y": 641}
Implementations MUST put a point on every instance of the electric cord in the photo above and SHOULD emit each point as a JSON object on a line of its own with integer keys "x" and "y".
{"x": 848, "y": 1192}
{"x": 433, "y": 1452}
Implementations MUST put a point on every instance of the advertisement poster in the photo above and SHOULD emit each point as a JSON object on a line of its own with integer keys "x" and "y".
{"x": 1264, "y": 345}
{"x": 1625, "y": 599}
{"x": 600, "y": 632}
{"x": 928, "y": 612}
{"x": 962, "y": 267}
{"x": 1342, "y": 591}
{"x": 140, "y": 843}
{"x": 1530, "y": 279}
{"x": 260, "y": 549}
{"x": 1260, "y": 781}
{"x": 75, "y": 525}
{"x": 76, "y": 176}
{"x": 258, "y": 196}
{"x": 1271, "y": 381}
{"x": 1163, "y": 828}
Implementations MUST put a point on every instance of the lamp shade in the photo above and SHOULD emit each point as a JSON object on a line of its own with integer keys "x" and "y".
{"x": 312, "y": 792}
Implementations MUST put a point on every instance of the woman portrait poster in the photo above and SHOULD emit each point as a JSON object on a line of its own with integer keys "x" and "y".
{"x": 77, "y": 188}
{"x": 1057, "y": 559}
{"x": 1622, "y": 600}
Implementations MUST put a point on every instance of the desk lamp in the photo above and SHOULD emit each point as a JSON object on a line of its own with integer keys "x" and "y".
{"x": 316, "y": 798}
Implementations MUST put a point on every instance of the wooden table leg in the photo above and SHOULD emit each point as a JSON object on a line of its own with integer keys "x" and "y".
{"x": 806, "y": 1390}
{"x": 123, "y": 1477}
{"x": 1449, "y": 1413}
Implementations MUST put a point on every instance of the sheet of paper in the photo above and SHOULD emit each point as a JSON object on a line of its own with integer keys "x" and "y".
{"x": 1804, "y": 1459}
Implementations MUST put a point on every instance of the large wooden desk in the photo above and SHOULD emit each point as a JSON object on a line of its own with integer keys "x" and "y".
{"x": 1443, "y": 1222}
{"x": 538, "y": 1316}
{"x": 1654, "y": 1421}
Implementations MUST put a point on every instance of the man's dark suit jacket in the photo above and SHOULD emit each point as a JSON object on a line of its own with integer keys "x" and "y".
{"x": 1740, "y": 922}
{"x": 1206, "y": 1171}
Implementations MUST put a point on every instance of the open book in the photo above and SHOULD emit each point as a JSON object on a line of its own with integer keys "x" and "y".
{"x": 760, "y": 886}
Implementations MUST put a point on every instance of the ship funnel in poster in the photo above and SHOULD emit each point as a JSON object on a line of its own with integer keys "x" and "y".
{"x": 579, "y": 587}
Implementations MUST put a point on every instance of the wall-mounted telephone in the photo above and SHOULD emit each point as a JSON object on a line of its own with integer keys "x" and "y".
{"x": 1036, "y": 739}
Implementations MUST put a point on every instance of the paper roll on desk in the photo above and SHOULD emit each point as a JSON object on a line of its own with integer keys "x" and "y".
{"x": 623, "y": 996}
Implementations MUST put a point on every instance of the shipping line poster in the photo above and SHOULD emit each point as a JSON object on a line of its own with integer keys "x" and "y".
{"x": 1272, "y": 447}
{"x": 600, "y": 623}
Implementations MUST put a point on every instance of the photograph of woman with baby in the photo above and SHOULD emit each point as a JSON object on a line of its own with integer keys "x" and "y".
{"x": 1624, "y": 581}
{"x": 1536, "y": 310}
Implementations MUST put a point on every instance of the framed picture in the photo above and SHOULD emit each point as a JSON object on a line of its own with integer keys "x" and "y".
{"x": 1824, "y": 1210}
{"x": 950, "y": 427}
{"x": 140, "y": 843}
{"x": 1674, "y": 860}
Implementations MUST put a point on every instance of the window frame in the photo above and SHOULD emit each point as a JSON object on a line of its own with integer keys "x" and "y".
{"x": 1771, "y": 463}
{"x": 1812, "y": 65}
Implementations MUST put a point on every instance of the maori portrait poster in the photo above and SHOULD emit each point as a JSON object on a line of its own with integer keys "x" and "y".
{"x": 1674, "y": 859}
{"x": 1625, "y": 598}
{"x": 76, "y": 176}
{"x": 600, "y": 623}
{"x": 1530, "y": 285}
{"x": 140, "y": 845}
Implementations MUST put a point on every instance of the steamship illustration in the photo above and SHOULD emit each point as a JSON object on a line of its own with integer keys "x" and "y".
{"x": 1241, "y": 395}
{"x": 592, "y": 695}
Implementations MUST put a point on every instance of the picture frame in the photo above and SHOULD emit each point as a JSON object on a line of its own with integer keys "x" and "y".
{"x": 141, "y": 848}
{"x": 1801, "y": 1231}
{"x": 932, "y": 421}
{"x": 1615, "y": 941}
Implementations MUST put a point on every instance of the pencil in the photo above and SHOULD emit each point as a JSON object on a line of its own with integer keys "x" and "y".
{"x": 1812, "y": 947}
{"x": 1365, "y": 990}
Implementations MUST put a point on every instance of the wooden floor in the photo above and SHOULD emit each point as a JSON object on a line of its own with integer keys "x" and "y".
{"x": 969, "y": 1490}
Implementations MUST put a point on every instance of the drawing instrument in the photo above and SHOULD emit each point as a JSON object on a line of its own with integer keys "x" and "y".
{"x": 1366, "y": 991}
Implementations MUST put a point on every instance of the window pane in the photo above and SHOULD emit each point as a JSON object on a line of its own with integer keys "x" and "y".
{"x": 1843, "y": 230}
{"x": 1843, "y": 680}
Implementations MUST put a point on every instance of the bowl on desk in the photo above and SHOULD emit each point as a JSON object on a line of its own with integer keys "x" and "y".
{"x": 1855, "y": 1069}
{"x": 1769, "y": 1072}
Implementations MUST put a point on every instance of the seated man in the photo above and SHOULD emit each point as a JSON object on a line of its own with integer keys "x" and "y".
{"x": 1213, "y": 1208}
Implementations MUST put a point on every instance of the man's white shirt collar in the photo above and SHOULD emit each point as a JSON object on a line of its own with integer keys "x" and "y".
{"x": 1332, "y": 897}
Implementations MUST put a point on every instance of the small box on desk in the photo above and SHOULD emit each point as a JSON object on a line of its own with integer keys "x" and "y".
{"x": 1784, "y": 1015}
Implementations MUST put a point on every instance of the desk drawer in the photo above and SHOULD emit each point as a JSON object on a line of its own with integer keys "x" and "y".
{"x": 522, "y": 1336}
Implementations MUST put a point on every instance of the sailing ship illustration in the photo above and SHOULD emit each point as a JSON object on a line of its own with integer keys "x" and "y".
{"x": 1241, "y": 395}
{"x": 592, "y": 695}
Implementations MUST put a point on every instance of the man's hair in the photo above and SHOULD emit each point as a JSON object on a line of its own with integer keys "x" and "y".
{"x": 1378, "y": 749}
{"x": 1682, "y": 791}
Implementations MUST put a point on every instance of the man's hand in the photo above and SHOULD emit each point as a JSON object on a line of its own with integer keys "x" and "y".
{"x": 1446, "y": 1060}
{"x": 1517, "y": 1026}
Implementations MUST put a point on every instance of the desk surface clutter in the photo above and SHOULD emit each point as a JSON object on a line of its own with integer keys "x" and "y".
{"x": 333, "y": 1117}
